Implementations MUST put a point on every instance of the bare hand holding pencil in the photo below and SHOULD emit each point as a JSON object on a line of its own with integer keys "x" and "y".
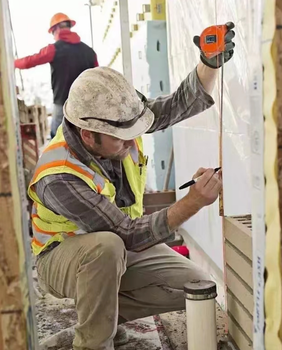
{"x": 206, "y": 187}
{"x": 204, "y": 191}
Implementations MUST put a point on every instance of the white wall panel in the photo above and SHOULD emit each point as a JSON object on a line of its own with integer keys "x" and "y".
{"x": 196, "y": 141}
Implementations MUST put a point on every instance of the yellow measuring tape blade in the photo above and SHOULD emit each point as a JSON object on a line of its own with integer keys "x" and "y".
{"x": 221, "y": 204}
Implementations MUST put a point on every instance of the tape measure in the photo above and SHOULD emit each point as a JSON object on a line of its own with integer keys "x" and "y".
{"x": 212, "y": 40}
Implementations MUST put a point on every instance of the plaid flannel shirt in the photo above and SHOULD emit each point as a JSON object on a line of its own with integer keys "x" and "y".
{"x": 71, "y": 197}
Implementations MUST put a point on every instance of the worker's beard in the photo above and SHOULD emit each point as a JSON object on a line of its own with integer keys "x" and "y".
{"x": 98, "y": 152}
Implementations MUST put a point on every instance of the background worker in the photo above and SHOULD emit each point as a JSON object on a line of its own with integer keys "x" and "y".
{"x": 68, "y": 57}
{"x": 91, "y": 240}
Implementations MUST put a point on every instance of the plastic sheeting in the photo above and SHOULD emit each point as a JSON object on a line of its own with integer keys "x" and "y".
{"x": 196, "y": 141}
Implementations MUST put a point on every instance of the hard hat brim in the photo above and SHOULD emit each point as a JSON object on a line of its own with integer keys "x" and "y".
{"x": 73, "y": 23}
{"x": 142, "y": 125}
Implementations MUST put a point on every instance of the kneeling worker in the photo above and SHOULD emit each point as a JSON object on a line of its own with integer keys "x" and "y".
{"x": 91, "y": 240}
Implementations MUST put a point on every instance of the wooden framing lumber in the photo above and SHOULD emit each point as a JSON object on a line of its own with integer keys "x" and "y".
{"x": 237, "y": 231}
{"x": 239, "y": 279}
{"x": 239, "y": 264}
{"x": 237, "y": 333}
{"x": 239, "y": 288}
{"x": 17, "y": 322}
{"x": 278, "y": 63}
{"x": 240, "y": 314}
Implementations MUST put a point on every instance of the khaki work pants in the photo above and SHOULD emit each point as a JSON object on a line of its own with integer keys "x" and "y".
{"x": 110, "y": 285}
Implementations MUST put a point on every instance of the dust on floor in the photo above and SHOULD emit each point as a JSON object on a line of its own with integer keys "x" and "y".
{"x": 57, "y": 318}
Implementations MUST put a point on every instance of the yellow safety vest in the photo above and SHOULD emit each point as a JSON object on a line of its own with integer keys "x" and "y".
{"x": 57, "y": 158}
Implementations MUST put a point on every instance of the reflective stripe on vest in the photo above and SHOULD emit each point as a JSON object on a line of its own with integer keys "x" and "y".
{"x": 57, "y": 158}
{"x": 45, "y": 233}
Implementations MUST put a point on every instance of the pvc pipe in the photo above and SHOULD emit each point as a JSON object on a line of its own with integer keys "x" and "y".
{"x": 201, "y": 315}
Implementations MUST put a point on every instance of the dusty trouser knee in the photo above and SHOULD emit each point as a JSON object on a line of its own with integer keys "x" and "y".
{"x": 90, "y": 268}
{"x": 153, "y": 282}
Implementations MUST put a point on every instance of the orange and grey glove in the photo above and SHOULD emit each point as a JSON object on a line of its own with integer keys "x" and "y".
{"x": 216, "y": 61}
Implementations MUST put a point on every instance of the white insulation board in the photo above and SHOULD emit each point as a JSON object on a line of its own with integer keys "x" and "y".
{"x": 196, "y": 141}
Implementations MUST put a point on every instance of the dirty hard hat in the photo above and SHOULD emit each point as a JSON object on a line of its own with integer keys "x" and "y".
{"x": 102, "y": 100}
{"x": 59, "y": 18}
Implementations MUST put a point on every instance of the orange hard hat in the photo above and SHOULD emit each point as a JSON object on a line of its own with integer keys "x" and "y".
{"x": 59, "y": 18}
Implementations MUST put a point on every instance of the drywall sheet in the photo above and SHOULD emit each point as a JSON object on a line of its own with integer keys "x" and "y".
{"x": 196, "y": 141}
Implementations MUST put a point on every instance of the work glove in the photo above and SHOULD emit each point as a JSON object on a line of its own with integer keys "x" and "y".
{"x": 216, "y": 61}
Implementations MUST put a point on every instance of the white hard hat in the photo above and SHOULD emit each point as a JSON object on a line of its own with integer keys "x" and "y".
{"x": 102, "y": 100}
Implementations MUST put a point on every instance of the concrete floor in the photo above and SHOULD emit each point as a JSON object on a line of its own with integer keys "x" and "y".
{"x": 57, "y": 318}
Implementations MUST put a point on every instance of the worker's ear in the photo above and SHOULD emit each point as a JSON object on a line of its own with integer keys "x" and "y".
{"x": 87, "y": 137}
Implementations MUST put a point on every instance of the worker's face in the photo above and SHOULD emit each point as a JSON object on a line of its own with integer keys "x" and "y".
{"x": 106, "y": 146}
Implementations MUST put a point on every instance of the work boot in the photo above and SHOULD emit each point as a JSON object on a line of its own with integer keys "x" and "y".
{"x": 121, "y": 337}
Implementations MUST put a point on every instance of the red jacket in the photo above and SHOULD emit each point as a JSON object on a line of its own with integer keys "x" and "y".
{"x": 68, "y": 58}
{"x": 47, "y": 54}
